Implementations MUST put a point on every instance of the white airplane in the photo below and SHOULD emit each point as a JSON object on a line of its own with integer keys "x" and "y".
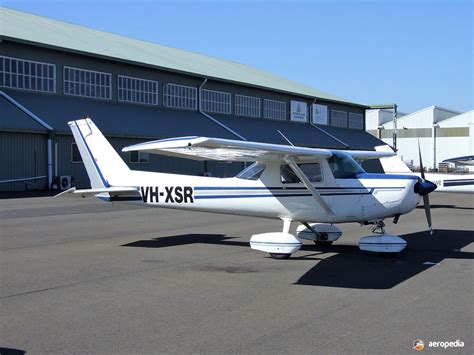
{"x": 465, "y": 160}
{"x": 314, "y": 187}
{"x": 462, "y": 183}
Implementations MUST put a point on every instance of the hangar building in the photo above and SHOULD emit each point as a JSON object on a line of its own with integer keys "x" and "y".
{"x": 52, "y": 72}
{"x": 442, "y": 133}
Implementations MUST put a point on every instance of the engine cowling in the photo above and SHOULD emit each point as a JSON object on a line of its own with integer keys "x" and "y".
{"x": 326, "y": 232}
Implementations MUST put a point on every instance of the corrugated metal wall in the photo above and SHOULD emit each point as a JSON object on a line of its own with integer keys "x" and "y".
{"x": 23, "y": 155}
{"x": 156, "y": 163}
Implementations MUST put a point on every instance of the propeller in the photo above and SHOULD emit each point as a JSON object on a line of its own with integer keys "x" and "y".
{"x": 424, "y": 187}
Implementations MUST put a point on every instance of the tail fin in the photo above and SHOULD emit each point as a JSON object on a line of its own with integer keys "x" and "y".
{"x": 103, "y": 164}
{"x": 392, "y": 164}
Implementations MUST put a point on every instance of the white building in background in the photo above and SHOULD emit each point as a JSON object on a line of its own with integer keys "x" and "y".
{"x": 442, "y": 133}
{"x": 376, "y": 118}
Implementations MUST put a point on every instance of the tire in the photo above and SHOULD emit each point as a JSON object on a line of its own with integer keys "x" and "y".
{"x": 279, "y": 256}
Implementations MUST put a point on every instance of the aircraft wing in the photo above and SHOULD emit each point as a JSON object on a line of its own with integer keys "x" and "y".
{"x": 203, "y": 148}
{"x": 368, "y": 154}
{"x": 466, "y": 160}
{"x": 72, "y": 192}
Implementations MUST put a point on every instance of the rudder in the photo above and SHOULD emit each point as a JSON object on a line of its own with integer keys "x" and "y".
{"x": 103, "y": 164}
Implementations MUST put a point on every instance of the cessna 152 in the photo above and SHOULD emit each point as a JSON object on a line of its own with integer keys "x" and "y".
{"x": 314, "y": 187}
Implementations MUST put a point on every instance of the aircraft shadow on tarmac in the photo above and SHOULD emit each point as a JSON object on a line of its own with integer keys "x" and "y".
{"x": 351, "y": 268}
{"x": 9, "y": 351}
{"x": 348, "y": 267}
{"x": 436, "y": 206}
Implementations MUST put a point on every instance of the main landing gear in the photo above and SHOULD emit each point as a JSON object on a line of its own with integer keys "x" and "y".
{"x": 280, "y": 245}
{"x": 382, "y": 242}
{"x": 321, "y": 234}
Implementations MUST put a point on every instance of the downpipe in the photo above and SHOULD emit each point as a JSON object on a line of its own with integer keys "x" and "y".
{"x": 50, "y": 162}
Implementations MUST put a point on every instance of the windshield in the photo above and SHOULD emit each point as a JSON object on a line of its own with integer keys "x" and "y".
{"x": 343, "y": 166}
{"x": 252, "y": 172}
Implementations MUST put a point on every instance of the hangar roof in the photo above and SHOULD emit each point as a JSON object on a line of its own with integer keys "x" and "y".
{"x": 31, "y": 29}
{"x": 16, "y": 120}
{"x": 116, "y": 119}
{"x": 463, "y": 120}
{"x": 127, "y": 120}
{"x": 355, "y": 138}
{"x": 300, "y": 134}
{"x": 423, "y": 118}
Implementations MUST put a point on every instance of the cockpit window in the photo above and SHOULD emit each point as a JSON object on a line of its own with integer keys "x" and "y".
{"x": 311, "y": 170}
{"x": 252, "y": 172}
{"x": 343, "y": 166}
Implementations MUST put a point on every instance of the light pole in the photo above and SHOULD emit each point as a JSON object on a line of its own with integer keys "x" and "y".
{"x": 433, "y": 137}
{"x": 394, "y": 108}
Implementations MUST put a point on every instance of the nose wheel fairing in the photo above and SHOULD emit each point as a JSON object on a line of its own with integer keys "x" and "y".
{"x": 382, "y": 242}
{"x": 386, "y": 243}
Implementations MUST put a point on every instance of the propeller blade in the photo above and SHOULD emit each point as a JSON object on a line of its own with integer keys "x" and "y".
{"x": 426, "y": 199}
{"x": 426, "y": 205}
{"x": 422, "y": 169}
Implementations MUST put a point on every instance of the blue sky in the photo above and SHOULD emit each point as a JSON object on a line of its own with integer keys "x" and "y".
{"x": 416, "y": 53}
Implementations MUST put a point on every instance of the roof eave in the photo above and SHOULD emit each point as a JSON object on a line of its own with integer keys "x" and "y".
{"x": 121, "y": 60}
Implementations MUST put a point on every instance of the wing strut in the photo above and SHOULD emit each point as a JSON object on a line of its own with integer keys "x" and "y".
{"x": 296, "y": 169}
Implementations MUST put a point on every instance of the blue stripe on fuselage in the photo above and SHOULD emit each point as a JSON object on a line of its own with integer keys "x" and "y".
{"x": 201, "y": 197}
{"x": 234, "y": 188}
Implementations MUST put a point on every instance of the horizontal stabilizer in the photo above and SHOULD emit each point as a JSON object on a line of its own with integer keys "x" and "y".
{"x": 117, "y": 190}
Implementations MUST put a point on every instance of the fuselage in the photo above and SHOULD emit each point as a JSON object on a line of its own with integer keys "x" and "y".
{"x": 291, "y": 183}
{"x": 366, "y": 197}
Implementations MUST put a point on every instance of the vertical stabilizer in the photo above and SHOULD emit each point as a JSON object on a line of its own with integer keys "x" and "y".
{"x": 392, "y": 165}
{"x": 103, "y": 164}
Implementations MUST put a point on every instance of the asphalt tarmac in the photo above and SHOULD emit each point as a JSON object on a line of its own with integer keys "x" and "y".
{"x": 84, "y": 276}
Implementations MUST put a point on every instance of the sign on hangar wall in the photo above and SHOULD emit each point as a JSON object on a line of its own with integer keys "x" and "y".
{"x": 299, "y": 111}
{"x": 320, "y": 114}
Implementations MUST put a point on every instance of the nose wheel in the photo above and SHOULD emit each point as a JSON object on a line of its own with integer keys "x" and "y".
{"x": 279, "y": 256}
{"x": 323, "y": 243}
{"x": 322, "y": 240}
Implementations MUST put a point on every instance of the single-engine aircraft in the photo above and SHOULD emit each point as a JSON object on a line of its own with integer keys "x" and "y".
{"x": 315, "y": 187}
{"x": 465, "y": 160}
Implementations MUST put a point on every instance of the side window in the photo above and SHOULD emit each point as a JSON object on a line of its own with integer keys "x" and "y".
{"x": 287, "y": 175}
{"x": 312, "y": 171}
{"x": 252, "y": 172}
